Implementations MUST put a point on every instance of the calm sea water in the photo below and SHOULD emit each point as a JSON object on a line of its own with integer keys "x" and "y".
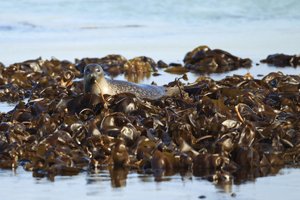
{"x": 65, "y": 15}
{"x": 20, "y": 185}
{"x": 159, "y": 29}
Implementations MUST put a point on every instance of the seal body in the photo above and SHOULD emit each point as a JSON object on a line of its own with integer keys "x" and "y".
{"x": 95, "y": 82}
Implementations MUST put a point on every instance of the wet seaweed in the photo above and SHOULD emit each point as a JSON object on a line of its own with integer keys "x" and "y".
{"x": 205, "y": 61}
{"x": 282, "y": 60}
{"x": 219, "y": 130}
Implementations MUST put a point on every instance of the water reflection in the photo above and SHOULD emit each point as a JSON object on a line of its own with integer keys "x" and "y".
{"x": 118, "y": 176}
{"x": 245, "y": 175}
{"x": 137, "y": 77}
{"x": 99, "y": 184}
{"x": 257, "y": 71}
{"x": 223, "y": 181}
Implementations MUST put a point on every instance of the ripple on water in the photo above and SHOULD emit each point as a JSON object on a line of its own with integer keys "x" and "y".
{"x": 283, "y": 186}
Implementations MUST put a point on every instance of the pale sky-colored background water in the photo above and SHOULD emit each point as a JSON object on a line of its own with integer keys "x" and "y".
{"x": 20, "y": 185}
{"x": 166, "y": 30}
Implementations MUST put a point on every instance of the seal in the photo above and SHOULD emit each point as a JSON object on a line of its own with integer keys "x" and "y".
{"x": 96, "y": 83}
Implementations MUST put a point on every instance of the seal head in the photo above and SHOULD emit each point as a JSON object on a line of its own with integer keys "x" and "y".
{"x": 93, "y": 73}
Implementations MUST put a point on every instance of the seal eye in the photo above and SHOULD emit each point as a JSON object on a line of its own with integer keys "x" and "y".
{"x": 98, "y": 70}
{"x": 87, "y": 71}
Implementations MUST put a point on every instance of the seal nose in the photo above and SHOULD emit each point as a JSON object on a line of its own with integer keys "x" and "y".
{"x": 92, "y": 79}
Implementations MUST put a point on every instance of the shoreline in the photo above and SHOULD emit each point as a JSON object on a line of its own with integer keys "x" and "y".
{"x": 168, "y": 43}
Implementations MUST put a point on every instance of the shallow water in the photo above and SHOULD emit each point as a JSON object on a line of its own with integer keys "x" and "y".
{"x": 257, "y": 71}
{"x": 6, "y": 107}
{"x": 20, "y": 185}
{"x": 159, "y": 29}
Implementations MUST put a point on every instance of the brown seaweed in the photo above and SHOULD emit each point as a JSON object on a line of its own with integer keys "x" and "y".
{"x": 219, "y": 130}
{"x": 204, "y": 60}
{"x": 282, "y": 60}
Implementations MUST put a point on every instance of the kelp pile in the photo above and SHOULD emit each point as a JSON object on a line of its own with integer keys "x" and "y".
{"x": 204, "y": 60}
{"x": 282, "y": 60}
{"x": 226, "y": 130}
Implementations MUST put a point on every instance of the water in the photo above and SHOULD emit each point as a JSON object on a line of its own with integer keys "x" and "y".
{"x": 159, "y": 29}
{"x": 257, "y": 71}
{"x": 166, "y": 30}
{"x": 20, "y": 185}
{"x": 6, "y": 107}
{"x": 72, "y": 14}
